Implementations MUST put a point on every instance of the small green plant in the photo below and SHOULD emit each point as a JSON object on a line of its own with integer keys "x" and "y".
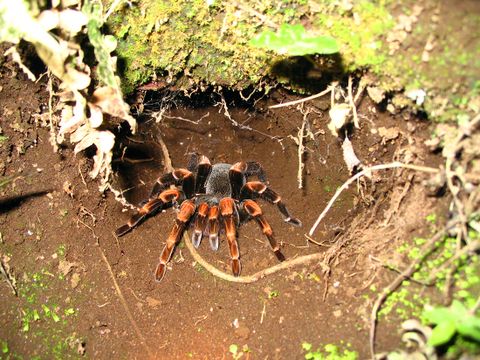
{"x": 61, "y": 250}
{"x": 234, "y": 350}
{"x": 452, "y": 321}
{"x": 273, "y": 294}
{"x": 4, "y": 347}
{"x": 431, "y": 218}
{"x": 293, "y": 40}
{"x": 330, "y": 352}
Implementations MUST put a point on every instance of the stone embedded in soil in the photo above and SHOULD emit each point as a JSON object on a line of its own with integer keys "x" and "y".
{"x": 242, "y": 332}
{"x": 152, "y": 302}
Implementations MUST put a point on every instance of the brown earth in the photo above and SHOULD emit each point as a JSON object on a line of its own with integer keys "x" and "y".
{"x": 82, "y": 290}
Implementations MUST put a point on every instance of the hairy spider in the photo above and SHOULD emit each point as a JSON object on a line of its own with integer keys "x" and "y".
{"x": 217, "y": 194}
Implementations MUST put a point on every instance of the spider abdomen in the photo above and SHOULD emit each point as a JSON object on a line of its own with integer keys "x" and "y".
{"x": 218, "y": 182}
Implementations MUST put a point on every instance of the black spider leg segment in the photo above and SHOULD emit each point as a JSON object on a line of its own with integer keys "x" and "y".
{"x": 203, "y": 171}
{"x": 187, "y": 209}
{"x": 255, "y": 212}
{"x": 253, "y": 189}
{"x": 254, "y": 168}
{"x": 165, "y": 199}
{"x": 177, "y": 177}
{"x": 242, "y": 170}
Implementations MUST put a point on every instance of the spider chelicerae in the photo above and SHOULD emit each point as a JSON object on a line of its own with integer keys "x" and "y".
{"x": 209, "y": 197}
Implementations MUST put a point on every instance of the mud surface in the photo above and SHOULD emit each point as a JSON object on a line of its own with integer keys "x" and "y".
{"x": 81, "y": 290}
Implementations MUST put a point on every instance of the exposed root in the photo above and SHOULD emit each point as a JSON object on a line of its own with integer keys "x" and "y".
{"x": 455, "y": 179}
{"x": 366, "y": 172}
{"x": 166, "y": 155}
{"x": 295, "y": 102}
{"x": 125, "y": 305}
{"x": 17, "y": 59}
{"x": 120, "y": 294}
{"x": 406, "y": 274}
{"x": 302, "y": 133}
{"x": 226, "y": 112}
{"x": 9, "y": 278}
{"x": 160, "y": 115}
{"x": 302, "y": 260}
{"x": 353, "y": 101}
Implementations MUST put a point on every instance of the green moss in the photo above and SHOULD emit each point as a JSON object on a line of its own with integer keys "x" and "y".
{"x": 42, "y": 318}
{"x": 192, "y": 43}
{"x": 188, "y": 43}
{"x": 360, "y": 36}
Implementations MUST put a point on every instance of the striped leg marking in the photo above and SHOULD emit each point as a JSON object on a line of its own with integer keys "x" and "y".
{"x": 200, "y": 224}
{"x": 254, "y": 210}
{"x": 227, "y": 210}
{"x": 213, "y": 227}
{"x": 165, "y": 197}
{"x": 187, "y": 209}
{"x": 253, "y": 189}
{"x": 182, "y": 177}
{"x": 242, "y": 170}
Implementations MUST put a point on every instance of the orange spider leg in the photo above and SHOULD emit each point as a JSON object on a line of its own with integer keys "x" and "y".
{"x": 254, "y": 210}
{"x": 227, "y": 209}
{"x": 200, "y": 224}
{"x": 242, "y": 170}
{"x": 187, "y": 209}
{"x": 213, "y": 227}
{"x": 176, "y": 177}
{"x": 150, "y": 206}
{"x": 259, "y": 189}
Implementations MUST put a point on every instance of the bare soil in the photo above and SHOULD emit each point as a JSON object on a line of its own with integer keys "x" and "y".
{"x": 101, "y": 298}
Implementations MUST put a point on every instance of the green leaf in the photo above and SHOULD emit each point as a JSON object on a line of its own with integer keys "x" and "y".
{"x": 55, "y": 317}
{"x": 46, "y": 309}
{"x": 103, "y": 44}
{"x": 306, "y": 346}
{"x": 458, "y": 309}
{"x": 233, "y": 349}
{"x": 438, "y": 315}
{"x": 470, "y": 327}
{"x": 293, "y": 40}
{"x": 442, "y": 333}
{"x": 4, "y": 347}
{"x": 69, "y": 311}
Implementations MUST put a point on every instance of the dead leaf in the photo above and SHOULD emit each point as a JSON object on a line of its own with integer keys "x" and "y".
{"x": 75, "y": 280}
{"x": 339, "y": 115}
{"x": 152, "y": 302}
{"x": 64, "y": 267}
{"x": 388, "y": 134}
{"x": 110, "y": 100}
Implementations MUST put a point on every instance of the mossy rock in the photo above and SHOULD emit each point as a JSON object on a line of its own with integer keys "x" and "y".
{"x": 191, "y": 44}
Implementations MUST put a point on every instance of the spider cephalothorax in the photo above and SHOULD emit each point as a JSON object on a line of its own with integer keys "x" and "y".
{"x": 209, "y": 197}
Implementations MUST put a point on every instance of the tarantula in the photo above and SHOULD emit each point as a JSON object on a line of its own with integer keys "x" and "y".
{"x": 216, "y": 194}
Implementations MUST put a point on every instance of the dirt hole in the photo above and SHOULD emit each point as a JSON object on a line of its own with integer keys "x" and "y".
{"x": 364, "y": 227}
